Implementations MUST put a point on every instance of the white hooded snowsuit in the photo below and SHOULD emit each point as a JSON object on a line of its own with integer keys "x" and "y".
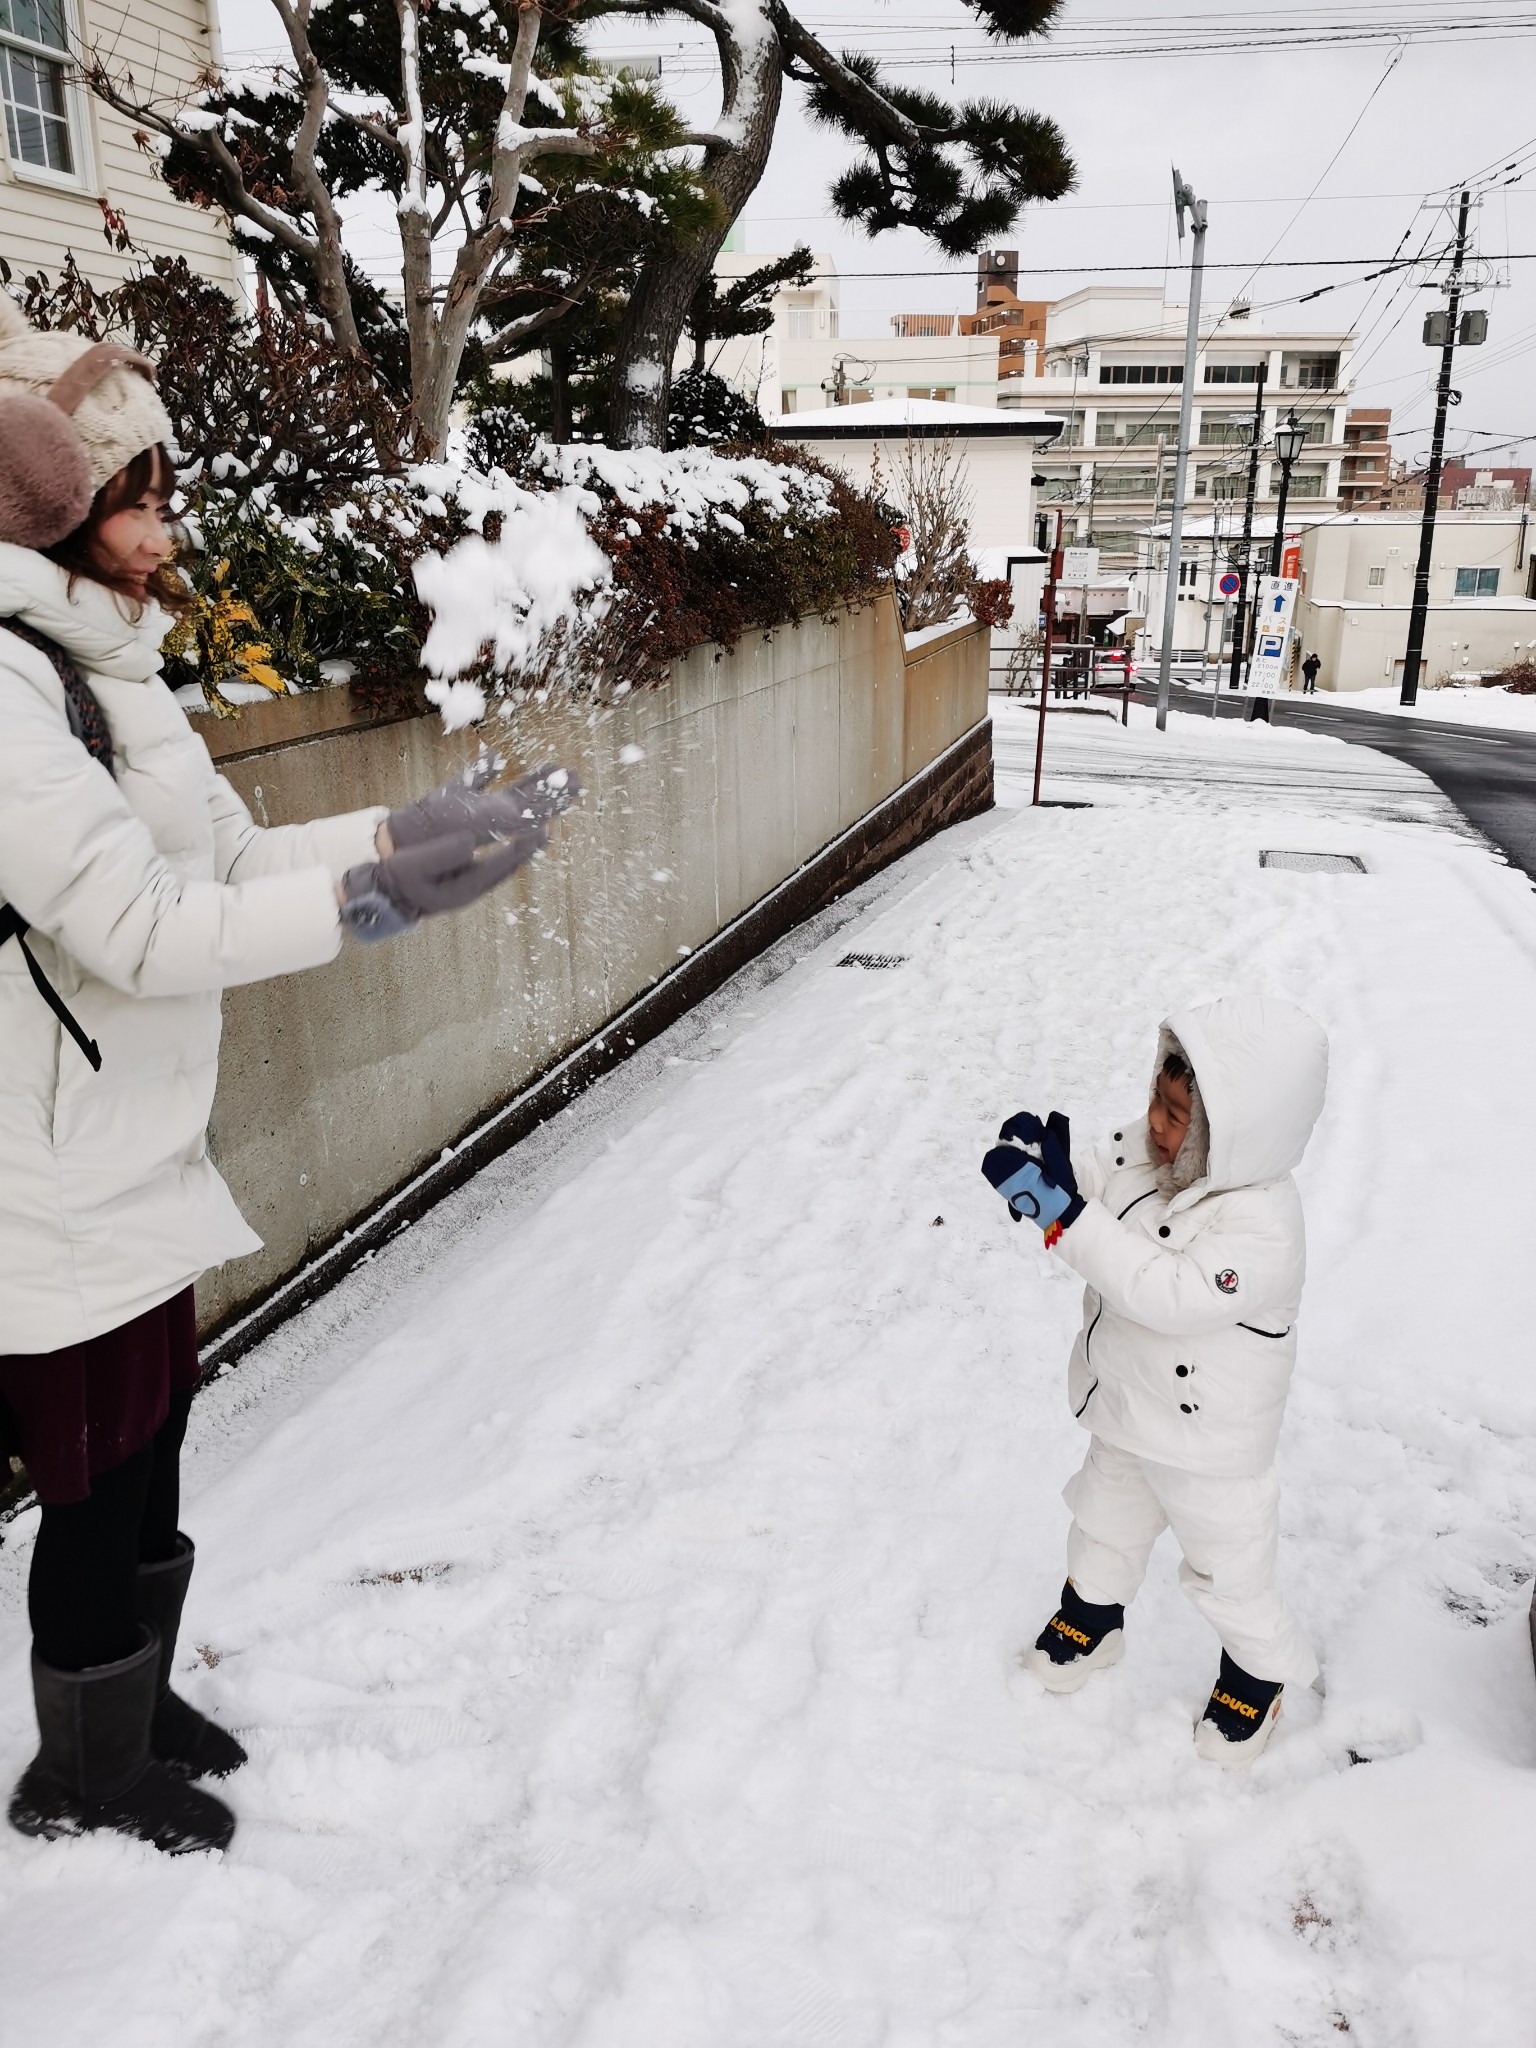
{"x": 1189, "y": 1335}
{"x": 148, "y": 892}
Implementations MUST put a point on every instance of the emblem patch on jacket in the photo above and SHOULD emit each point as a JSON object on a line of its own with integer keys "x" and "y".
{"x": 1226, "y": 1280}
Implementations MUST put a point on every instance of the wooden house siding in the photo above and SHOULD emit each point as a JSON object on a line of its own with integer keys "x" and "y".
{"x": 167, "y": 43}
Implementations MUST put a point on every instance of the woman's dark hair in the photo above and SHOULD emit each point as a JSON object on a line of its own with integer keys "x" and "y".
{"x": 79, "y": 552}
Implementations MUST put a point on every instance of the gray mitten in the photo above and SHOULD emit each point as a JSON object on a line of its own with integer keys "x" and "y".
{"x": 387, "y": 897}
{"x": 467, "y": 803}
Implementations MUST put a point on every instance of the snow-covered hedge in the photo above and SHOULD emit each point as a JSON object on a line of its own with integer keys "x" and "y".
{"x": 589, "y": 568}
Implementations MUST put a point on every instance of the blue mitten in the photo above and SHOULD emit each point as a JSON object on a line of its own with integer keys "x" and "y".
{"x": 1043, "y": 1187}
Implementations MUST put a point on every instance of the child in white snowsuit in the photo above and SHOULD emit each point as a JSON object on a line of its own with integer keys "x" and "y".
{"x": 1187, "y": 1227}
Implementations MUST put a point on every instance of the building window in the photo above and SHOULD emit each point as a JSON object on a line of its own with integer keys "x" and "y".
{"x": 1307, "y": 483}
{"x": 1376, "y": 575}
{"x": 34, "y": 82}
{"x": 1132, "y": 429}
{"x": 1141, "y": 373}
{"x": 1310, "y": 373}
{"x": 945, "y": 391}
{"x": 1231, "y": 373}
{"x": 1219, "y": 484}
{"x": 1225, "y": 430}
{"x": 1125, "y": 483}
{"x": 1477, "y": 582}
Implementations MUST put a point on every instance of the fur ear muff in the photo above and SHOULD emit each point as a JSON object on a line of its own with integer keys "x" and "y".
{"x": 45, "y": 473}
{"x": 14, "y": 324}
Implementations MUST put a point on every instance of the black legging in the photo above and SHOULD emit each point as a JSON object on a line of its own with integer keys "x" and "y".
{"x": 82, "y": 1597}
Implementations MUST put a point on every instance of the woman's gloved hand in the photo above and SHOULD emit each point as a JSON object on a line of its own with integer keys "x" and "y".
{"x": 469, "y": 802}
{"x": 386, "y": 897}
{"x": 452, "y": 845}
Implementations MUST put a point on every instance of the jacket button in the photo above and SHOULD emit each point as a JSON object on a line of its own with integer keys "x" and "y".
{"x": 1185, "y": 1409}
{"x": 1119, "y": 1162}
{"x": 1182, "y": 1371}
{"x": 1119, "y": 1137}
{"x": 1162, "y": 1230}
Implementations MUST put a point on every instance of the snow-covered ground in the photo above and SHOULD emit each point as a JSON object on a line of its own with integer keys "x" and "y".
{"x": 1455, "y": 705}
{"x": 620, "y": 1581}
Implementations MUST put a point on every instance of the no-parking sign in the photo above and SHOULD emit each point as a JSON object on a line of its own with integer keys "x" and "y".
{"x": 1230, "y": 585}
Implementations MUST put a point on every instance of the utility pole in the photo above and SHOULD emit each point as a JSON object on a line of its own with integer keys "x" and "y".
{"x": 1419, "y": 615}
{"x": 1240, "y": 624}
{"x": 1045, "y": 654}
{"x": 1184, "y": 200}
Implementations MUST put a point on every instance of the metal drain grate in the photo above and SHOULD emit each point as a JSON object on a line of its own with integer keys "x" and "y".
{"x": 874, "y": 961}
{"x": 1313, "y": 863}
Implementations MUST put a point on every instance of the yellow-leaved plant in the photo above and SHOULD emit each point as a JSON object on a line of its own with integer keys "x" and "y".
{"x": 218, "y": 636}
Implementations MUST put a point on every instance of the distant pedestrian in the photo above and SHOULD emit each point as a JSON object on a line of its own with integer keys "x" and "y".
{"x": 134, "y": 888}
{"x": 1310, "y": 669}
{"x": 1187, "y": 1228}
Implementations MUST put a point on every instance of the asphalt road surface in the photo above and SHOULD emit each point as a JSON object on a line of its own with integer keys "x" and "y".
{"x": 1489, "y": 776}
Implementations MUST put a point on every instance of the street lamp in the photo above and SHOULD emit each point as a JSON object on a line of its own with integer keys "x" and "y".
{"x": 1289, "y": 442}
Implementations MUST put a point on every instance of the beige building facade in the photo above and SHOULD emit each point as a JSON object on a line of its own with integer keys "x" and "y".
{"x": 1357, "y": 577}
{"x": 71, "y": 168}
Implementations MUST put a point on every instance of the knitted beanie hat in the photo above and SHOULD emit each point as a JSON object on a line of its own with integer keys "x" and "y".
{"x": 62, "y": 438}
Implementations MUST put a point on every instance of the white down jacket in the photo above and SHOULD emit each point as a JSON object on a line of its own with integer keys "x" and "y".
{"x": 1189, "y": 1320}
{"x": 147, "y": 894}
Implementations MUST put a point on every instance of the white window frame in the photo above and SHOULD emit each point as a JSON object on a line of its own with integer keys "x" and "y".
{"x": 83, "y": 177}
{"x": 1376, "y": 576}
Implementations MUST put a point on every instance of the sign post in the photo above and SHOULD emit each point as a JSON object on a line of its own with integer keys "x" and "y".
{"x": 1275, "y": 610}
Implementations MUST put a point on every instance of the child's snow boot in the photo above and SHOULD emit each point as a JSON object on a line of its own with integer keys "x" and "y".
{"x": 93, "y": 1767}
{"x": 184, "y": 1740}
{"x": 1078, "y": 1640}
{"x": 1239, "y": 1718}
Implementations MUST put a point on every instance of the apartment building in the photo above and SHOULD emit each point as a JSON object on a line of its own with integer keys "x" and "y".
{"x": 1113, "y": 365}
{"x": 70, "y": 167}
{"x": 1365, "y": 472}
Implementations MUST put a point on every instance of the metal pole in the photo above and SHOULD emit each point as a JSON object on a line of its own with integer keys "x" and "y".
{"x": 1418, "y": 617}
{"x": 1183, "y": 198}
{"x": 1240, "y": 624}
{"x": 1045, "y": 663}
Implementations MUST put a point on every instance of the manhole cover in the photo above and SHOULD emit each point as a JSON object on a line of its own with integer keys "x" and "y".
{"x": 1313, "y": 863}
{"x": 874, "y": 961}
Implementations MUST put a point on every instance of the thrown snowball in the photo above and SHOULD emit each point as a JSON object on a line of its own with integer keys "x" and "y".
{"x": 630, "y": 755}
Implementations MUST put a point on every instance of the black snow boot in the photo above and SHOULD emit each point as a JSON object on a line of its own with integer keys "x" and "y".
{"x": 1239, "y": 1717}
{"x": 1078, "y": 1640}
{"x": 93, "y": 1768}
{"x": 184, "y": 1740}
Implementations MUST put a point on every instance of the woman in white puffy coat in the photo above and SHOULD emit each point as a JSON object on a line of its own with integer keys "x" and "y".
{"x": 1187, "y": 1228}
{"x": 134, "y": 888}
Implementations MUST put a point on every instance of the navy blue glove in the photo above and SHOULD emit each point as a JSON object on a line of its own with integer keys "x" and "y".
{"x": 1032, "y": 1170}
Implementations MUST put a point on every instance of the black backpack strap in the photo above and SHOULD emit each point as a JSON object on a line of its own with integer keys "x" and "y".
{"x": 14, "y": 926}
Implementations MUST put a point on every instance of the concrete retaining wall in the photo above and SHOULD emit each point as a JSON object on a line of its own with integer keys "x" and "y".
{"x": 748, "y": 768}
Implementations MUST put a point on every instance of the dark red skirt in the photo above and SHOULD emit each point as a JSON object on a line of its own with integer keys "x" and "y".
{"x": 84, "y": 1409}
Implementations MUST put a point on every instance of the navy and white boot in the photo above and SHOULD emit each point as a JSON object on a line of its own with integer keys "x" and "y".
{"x": 1239, "y": 1718}
{"x": 1078, "y": 1640}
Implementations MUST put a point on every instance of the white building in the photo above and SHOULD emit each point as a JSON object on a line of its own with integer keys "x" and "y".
{"x": 1357, "y": 589}
{"x": 805, "y": 363}
{"x": 1113, "y": 365}
{"x": 70, "y": 164}
{"x": 996, "y": 447}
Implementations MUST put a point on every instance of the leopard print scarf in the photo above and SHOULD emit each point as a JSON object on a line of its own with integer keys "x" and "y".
{"x": 87, "y": 720}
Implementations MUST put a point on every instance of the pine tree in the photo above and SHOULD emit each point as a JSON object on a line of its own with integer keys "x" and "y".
{"x": 960, "y": 174}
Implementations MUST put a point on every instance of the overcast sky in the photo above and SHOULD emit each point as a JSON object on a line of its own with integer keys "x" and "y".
{"x": 1253, "y": 133}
